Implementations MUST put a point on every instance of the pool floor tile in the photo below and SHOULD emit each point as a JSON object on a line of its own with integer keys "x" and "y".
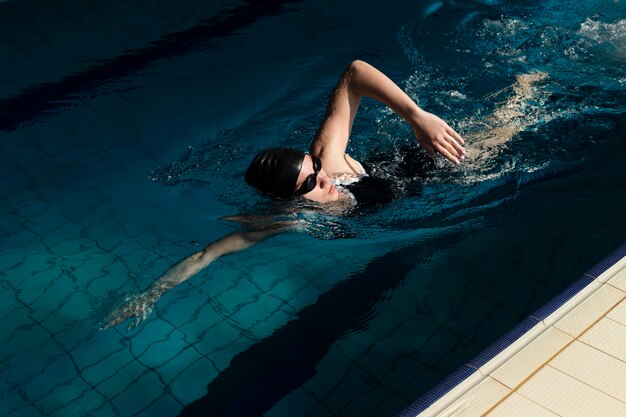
{"x": 166, "y": 405}
{"x": 185, "y": 386}
{"x": 141, "y": 391}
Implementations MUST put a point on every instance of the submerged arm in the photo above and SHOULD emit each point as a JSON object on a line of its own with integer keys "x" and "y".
{"x": 520, "y": 110}
{"x": 140, "y": 306}
{"x": 361, "y": 79}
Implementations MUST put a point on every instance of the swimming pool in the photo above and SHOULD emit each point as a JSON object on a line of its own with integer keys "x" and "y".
{"x": 125, "y": 130}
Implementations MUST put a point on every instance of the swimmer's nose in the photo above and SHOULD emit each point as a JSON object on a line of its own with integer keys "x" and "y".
{"x": 324, "y": 180}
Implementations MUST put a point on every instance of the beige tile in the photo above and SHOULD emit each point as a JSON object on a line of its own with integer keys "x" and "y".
{"x": 518, "y": 406}
{"x": 455, "y": 393}
{"x": 619, "y": 280}
{"x": 615, "y": 269}
{"x": 619, "y": 313}
{"x": 618, "y": 268}
{"x": 567, "y": 397}
{"x": 529, "y": 359}
{"x": 511, "y": 350}
{"x": 591, "y": 309}
{"x": 594, "y": 368}
{"x": 608, "y": 336}
{"x": 570, "y": 304}
{"x": 477, "y": 401}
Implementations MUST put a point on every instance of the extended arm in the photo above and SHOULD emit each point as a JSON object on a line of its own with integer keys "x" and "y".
{"x": 140, "y": 306}
{"x": 361, "y": 79}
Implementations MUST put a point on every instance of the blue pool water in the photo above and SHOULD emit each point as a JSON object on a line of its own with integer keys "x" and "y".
{"x": 125, "y": 130}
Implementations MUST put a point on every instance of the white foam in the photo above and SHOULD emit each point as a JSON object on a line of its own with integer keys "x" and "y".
{"x": 505, "y": 27}
{"x": 613, "y": 34}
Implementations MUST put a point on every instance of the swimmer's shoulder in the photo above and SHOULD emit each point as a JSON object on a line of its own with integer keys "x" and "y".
{"x": 343, "y": 167}
{"x": 335, "y": 161}
{"x": 355, "y": 166}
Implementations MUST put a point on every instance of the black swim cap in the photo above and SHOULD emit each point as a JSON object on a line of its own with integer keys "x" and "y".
{"x": 275, "y": 171}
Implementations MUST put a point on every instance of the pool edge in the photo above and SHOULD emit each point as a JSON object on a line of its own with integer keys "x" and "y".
{"x": 470, "y": 370}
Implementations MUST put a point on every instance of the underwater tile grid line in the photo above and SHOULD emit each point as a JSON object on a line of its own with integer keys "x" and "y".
{"x": 81, "y": 225}
{"x": 44, "y": 337}
{"x": 79, "y": 371}
{"x": 88, "y": 367}
{"x": 71, "y": 366}
{"x": 54, "y": 362}
{"x": 468, "y": 369}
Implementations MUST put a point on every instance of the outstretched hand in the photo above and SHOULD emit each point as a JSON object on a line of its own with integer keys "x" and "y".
{"x": 137, "y": 306}
{"x": 434, "y": 135}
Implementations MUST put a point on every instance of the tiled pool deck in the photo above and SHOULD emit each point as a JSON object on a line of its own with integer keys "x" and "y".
{"x": 568, "y": 359}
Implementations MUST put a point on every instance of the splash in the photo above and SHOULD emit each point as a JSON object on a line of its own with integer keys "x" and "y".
{"x": 559, "y": 89}
{"x": 610, "y": 36}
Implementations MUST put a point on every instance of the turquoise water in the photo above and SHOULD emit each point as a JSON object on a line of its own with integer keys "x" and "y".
{"x": 125, "y": 130}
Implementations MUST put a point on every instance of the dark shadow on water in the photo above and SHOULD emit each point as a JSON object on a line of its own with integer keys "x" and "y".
{"x": 259, "y": 377}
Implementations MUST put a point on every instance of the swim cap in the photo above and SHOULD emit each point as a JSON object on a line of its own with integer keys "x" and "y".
{"x": 275, "y": 171}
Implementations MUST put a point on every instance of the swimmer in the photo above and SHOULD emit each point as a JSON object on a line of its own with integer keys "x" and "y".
{"x": 288, "y": 173}
{"x": 285, "y": 173}
{"x": 282, "y": 172}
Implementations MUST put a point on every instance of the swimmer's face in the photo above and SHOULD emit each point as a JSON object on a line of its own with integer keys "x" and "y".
{"x": 324, "y": 190}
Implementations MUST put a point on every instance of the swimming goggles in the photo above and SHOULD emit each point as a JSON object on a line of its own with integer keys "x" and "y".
{"x": 311, "y": 181}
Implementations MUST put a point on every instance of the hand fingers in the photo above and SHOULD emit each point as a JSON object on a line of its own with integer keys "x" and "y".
{"x": 109, "y": 323}
{"x": 112, "y": 323}
{"x": 118, "y": 316}
{"x": 453, "y": 148}
{"x": 134, "y": 323}
{"x": 446, "y": 153}
{"x": 457, "y": 146}
{"x": 455, "y": 135}
{"x": 447, "y": 142}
